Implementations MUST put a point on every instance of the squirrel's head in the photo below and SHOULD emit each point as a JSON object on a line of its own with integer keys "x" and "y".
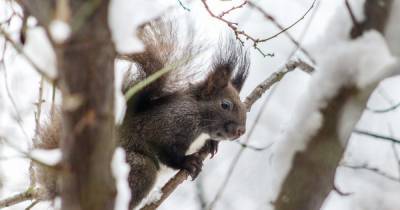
{"x": 223, "y": 113}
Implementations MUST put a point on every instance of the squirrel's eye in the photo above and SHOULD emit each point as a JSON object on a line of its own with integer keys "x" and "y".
{"x": 226, "y": 104}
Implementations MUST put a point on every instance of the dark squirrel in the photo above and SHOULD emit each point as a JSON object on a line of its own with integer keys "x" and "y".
{"x": 164, "y": 118}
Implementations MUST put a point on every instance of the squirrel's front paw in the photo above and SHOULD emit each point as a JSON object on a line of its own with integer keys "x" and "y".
{"x": 211, "y": 146}
{"x": 193, "y": 164}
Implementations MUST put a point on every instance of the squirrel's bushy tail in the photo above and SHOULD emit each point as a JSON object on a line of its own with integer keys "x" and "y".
{"x": 163, "y": 49}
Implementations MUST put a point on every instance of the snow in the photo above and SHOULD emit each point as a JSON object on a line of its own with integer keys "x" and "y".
{"x": 59, "y": 31}
{"x": 120, "y": 170}
{"x": 48, "y": 157}
{"x": 359, "y": 63}
{"x": 126, "y": 15}
{"x": 40, "y": 51}
{"x": 154, "y": 196}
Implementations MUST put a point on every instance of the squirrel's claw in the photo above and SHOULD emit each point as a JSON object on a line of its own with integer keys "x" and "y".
{"x": 193, "y": 164}
{"x": 212, "y": 147}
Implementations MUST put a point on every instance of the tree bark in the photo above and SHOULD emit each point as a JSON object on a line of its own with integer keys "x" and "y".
{"x": 85, "y": 63}
{"x": 312, "y": 176}
{"x": 86, "y": 70}
{"x": 86, "y": 78}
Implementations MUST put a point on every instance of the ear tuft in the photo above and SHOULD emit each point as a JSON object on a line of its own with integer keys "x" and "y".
{"x": 242, "y": 72}
{"x": 218, "y": 78}
{"x": 229, "y": 57}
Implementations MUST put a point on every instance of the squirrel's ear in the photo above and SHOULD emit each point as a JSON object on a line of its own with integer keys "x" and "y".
{"x": 216, "y": 80}
{"x": 239, "y": 78}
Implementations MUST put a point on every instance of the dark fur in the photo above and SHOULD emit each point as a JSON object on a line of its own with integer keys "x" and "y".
{"x": 164, "y": 118}
{"x": 160, "y": 124}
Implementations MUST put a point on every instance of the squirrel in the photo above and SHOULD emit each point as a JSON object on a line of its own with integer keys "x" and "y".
{"x": 164, "y": 118}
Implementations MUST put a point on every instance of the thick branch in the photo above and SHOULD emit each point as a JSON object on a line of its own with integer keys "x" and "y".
{"x": 86, "y": 65}
{"x": 313, "y": 169}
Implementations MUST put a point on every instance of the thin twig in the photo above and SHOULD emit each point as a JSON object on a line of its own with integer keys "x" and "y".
{"x": 356, "y": 24}
{"x": 304, "y": 33}
{"x": 274, "y": 78}
{"x": 38, "y": 112}
{"x": 251, "y": 147}
{"x": 289, "y": 27}
{"x": 183, "y": 6}
{"x": 233, "y": 8}
{"x": 18, "y": 198}
{"x": 371, "y": 169}
{"x": 394, "y": 107}
{"x": 28, "y": 155}
{"x": 236, "y": 31}
{"x": 282, "y": 28}
{"x": 13, "y": 103}
{"x": 19, "y": 49}
{"x": 376, "y": 136}
{"x": 339, "y": 191}
{"x": 53, "y": 98}
{"x": 37, "y": 126}
{"x": 395, "y": 151}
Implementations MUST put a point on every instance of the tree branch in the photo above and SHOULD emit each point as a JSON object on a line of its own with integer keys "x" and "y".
{"x": 371, "y": 169}
{"x": 20, "y": 50}
{"x": 274, "y": 78}
{"x": 282, "y": 28}
{"x": 238, "y": 33}
{"x": 31, "y": 193}
{"x": 394, "y": 107}
{"x": 377, "y": 136}
{"x": 313, "y": 168}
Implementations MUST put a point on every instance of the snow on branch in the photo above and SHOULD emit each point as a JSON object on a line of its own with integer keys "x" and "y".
{"x": 349, "y": 70}
{"x": 120, "y": 170}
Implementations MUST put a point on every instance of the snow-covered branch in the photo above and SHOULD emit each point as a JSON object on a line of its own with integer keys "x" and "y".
{"x": 349, "y": 70}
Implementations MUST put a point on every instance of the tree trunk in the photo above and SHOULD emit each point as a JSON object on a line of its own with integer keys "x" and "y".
{"x": 86, "y": 67}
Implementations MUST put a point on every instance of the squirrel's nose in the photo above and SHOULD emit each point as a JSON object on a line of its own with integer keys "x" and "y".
{"x": 240, "y": 130}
